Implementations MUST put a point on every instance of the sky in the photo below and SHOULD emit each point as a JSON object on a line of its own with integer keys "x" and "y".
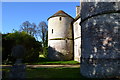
{"x": 15, "y": 13}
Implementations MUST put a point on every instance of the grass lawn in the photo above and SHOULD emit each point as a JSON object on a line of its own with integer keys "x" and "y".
{"x": 49, "y": 73}
{"x": 45, "y": 61}
{"x": 55, "y": 62}
{"x": 53, "y": 73}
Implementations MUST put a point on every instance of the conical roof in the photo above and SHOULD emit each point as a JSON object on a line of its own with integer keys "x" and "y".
{"x": 60, "y": 13}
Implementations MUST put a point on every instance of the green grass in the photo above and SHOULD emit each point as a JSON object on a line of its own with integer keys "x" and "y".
{"x": 53, "y": 74}
{"x": 55, "y": 62}
{"x": 46, "y": 61}
{"x": 48, "y": 73}
{"x": 43, "y": 60}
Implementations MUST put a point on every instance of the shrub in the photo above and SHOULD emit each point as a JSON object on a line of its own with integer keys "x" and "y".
{"x": 20, "y": 38}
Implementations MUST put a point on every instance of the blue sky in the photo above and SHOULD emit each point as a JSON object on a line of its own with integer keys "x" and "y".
{"x": 15, "y": 13}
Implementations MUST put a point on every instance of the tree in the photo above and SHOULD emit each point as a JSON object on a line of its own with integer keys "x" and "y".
{"x": 29, "y": 28}
{"x": 32, "y": 46}
{"x": 25, "y": 26}
{"x": 39, "y": 32}
{"x": 46, "y": 40}
{"x": 42, "y": 31}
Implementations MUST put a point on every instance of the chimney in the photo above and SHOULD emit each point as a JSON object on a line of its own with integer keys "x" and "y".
{"x": 77, "y": 10}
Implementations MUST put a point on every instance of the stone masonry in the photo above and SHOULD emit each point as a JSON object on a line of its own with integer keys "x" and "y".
{"x": 64, "y": 36}
{"x": 100, "y": 24}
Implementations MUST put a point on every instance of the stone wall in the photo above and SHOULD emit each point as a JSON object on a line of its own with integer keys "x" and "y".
{"x": 60, "y": 49}
{"x": 100, "y": 22}
{"x": 60, "y": 40}
{"x": 77, "y": 10}
{"x": 77, "y": 40}
{"x": 59, "y": 29}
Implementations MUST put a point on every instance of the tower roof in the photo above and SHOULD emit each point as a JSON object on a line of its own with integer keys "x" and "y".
{"x": 60, "y": 13}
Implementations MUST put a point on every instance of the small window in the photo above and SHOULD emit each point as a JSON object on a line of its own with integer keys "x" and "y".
{"x": 60, "y": 18}
{"x": 66, "y": 41}
{"x": 52, "y": 31}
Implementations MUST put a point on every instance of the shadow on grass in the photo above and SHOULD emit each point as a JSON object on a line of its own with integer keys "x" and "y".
{"x": 54, "y": 74}
{"x": 57, "y": 73}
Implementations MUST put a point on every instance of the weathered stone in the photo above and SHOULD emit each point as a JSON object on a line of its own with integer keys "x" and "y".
{"x": 100, "y": 68}
{"x": 60, "y": 40}
{"x": 60, "y": 49}
{"x": 77, "y": 40}
{"x": 100, "y": 39}
{"x": 89, "y": 9}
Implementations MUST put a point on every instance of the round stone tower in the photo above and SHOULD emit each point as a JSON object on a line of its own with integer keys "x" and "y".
{"x": 100, "y": 24}
{"x": 60, "y": 40}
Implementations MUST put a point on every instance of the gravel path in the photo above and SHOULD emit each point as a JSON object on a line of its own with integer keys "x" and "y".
{"x": 52, "y": 66}
{"x": 45, "y": 66}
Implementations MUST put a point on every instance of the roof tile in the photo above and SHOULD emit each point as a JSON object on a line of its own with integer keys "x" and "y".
{"x": 60, "y": 13}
